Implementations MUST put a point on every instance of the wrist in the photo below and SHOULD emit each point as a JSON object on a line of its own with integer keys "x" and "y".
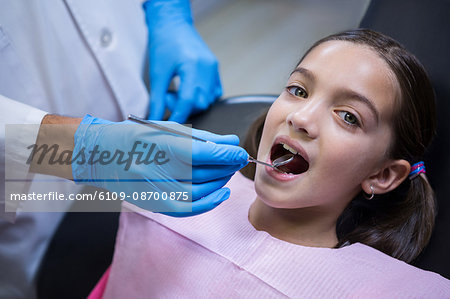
{"x": 54, "y": 145}
{"x": 85, "y": 138}
{"x": 167, "y": 11}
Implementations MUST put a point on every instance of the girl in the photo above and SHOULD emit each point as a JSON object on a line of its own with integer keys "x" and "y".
{"x": 340, "y": 220}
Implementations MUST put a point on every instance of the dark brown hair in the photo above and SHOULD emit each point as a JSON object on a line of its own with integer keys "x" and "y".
{"x": 400, "y": 222}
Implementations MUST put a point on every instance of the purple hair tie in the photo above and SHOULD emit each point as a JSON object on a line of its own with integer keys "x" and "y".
{"x": 417, "y": 169}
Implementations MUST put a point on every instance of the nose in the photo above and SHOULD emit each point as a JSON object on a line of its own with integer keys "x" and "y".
{"x": 306, "y": 119}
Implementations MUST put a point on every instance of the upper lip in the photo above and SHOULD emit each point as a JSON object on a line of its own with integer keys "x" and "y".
{"x": 292, "y": 143}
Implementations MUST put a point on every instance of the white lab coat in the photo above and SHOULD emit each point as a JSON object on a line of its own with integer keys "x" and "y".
{"x": 69, "y": 57}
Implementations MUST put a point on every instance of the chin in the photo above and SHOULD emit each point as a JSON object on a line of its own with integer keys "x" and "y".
{"x": 274, "y": 197}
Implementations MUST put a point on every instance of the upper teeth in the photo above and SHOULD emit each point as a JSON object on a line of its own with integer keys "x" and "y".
{"x": 290, "y": 149}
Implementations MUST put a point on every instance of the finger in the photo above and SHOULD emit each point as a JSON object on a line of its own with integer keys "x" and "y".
{"x": 216, "y": 138}
{"x": 192, "y": 82}
{"x": 203, "y": 189}
{"x": 210, "y": 201}
{"x": 186, "y": 94}
{"x": 215, "y": 88}
{"x": 171, "y": 100}
{"x": 201, "y": 103}
{"x": 207, "y": 203}
{"x": 217, "y": 154}
{"x": 195, "y": 190}
{"x": 206, "y": 87}
{"x": 159, "y": 84}
{"x": 205, "y": 173}
{"x": 181, "y": 111}
{"x": 205, "y": 135}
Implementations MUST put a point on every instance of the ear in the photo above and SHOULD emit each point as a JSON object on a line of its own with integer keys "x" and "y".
{"x": 387, "y": 178}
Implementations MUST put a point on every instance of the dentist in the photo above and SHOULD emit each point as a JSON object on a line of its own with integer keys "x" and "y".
{"x": 76, "y": 57}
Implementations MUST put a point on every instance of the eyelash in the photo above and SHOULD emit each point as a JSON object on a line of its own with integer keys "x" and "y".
{"x": 352, "y": 125}
{"x": 292, "y": 90}
{"x": 289, "y": 89}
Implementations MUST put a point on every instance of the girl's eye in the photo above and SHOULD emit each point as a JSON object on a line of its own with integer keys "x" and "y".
{"x": 297, "y": 91}
{"x": 348, "y": 117}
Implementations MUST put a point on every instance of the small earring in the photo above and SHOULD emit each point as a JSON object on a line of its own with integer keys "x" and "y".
{"x": 372, "y": 195}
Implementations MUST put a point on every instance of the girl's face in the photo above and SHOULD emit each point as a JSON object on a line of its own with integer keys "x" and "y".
{"x": 335, "y": 113}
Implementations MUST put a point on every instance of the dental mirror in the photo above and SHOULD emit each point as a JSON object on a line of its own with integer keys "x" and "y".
{"x": 283, "y": 160}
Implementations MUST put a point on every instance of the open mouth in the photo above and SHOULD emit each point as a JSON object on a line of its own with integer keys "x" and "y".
{"x": 298, "y": 165}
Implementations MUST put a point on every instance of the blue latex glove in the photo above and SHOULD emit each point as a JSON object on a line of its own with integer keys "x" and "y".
{"x": 176, "y": 49}
{"x": 197, "y": 168}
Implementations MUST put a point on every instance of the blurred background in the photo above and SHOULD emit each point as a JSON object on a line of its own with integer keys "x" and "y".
{"x": 259, "y": 42}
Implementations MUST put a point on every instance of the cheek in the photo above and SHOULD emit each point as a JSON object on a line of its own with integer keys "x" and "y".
{"x": 276, "y": 114}
{"x": 275, "y": 117}
{"x": 351, "y": 160}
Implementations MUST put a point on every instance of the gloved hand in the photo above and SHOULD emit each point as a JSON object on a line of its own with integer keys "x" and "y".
{"x": 176, "y": 49}
{"x": 161, "y": 163}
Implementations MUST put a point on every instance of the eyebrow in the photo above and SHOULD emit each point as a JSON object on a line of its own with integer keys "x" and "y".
{"x": 347, "y": 93}
{"x": 350, "y": 94}
{"x": 307, "y": 73}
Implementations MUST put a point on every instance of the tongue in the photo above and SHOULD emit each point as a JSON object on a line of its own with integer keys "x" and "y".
{"x": 296, "y": 166}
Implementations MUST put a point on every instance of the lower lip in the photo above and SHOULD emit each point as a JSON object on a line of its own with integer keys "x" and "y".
{"x": 281, "y": 176}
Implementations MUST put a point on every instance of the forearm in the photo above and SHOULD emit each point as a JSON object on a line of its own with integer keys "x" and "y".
{"x": 52, "y": 152}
